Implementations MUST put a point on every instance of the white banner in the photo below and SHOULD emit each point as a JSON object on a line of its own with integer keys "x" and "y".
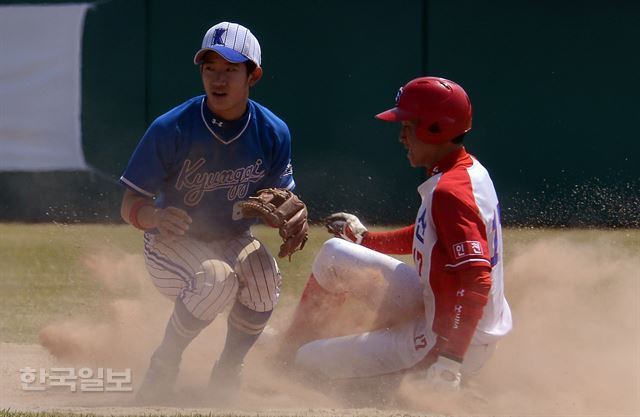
{"x": 40, "y": 91}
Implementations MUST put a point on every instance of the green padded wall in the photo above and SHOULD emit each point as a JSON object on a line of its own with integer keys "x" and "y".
{"x": 554, "y": 87}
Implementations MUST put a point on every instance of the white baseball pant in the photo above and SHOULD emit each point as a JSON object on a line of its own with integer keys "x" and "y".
{"x": 393, "y": 289}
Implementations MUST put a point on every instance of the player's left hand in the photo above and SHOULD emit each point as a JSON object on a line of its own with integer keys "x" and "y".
{"x": 346, "y": 226}
{"x": 280, "y": 208}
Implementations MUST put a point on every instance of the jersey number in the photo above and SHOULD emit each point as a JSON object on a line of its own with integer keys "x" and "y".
{"x": 418, "y": 259}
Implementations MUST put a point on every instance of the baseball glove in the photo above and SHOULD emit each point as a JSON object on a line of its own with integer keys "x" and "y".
{"x": 282, "y": 209}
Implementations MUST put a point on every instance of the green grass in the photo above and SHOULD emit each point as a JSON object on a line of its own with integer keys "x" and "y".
{"x": 43, "y": 275}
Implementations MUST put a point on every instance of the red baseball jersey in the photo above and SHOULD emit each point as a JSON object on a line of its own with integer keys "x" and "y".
{"x": 457, "y": 227}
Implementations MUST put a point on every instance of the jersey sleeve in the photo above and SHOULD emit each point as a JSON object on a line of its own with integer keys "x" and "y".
{"x": 460, "y": 229}
{"x": 462, "y": 232}
{"x": 151, "y": 161}
{"x": 281, "y": 172}
{"x": 392, "y": 242}
{"x": 473, "y": 287}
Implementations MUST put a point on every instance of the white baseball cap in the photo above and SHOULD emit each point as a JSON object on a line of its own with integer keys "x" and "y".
{"x": 234, "y": 42}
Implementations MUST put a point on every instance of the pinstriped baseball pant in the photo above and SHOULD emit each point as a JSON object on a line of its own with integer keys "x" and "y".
{"x": 207, "y": 276}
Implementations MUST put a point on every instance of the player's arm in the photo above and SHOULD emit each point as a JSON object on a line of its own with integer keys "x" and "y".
{"x": 462, "y": 236}
{"x": 391, "y": 242}
{"x": 349, "y": 227}
{"x": 149, "y": 165}
{"x": 281, "y": 173}
{"x": 474, "y": 285}
{"x": 139, "y": 211}
{"x": 453, "y": 342}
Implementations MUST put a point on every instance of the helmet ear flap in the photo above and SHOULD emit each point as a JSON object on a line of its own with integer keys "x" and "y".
{"x": 429, "y": 133}
{"x": 423, "y": 132}
{"x": 435, "y": 128}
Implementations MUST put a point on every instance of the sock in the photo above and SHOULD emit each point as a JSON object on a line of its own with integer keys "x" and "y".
{"x": 244, "y": 326}
{"x": 181, "y": 329}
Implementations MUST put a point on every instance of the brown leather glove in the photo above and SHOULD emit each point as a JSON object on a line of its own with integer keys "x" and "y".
{"x": 282, "y": 209}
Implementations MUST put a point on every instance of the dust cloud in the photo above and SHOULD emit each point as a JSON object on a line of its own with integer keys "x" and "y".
{"x": 575, "y": 348}
{"x": 135, "y": 325}
{"x": 131, "y": 325}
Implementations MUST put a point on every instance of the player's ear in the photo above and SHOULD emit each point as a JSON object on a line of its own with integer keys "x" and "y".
{"x": 255, "y": 76}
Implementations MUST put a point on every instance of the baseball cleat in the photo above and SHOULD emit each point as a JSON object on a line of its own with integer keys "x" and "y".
{"x": 225, "y": 381}
{"x": 158, "y": 383}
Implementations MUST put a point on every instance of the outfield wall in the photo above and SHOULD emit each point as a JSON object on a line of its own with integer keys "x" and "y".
{"x": 553, "y": 87}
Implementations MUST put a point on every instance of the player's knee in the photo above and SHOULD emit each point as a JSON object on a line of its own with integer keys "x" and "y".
{"x": 331, "y": 263}
{"x": 214, "y": 272}
{"x": 214, "y": 286}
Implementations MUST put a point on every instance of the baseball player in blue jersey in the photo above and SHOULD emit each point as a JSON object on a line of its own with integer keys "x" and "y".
{"x": 181, "y": 182}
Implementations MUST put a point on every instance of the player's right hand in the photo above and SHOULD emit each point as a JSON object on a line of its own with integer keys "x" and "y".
{"x": 346, "y": 226}
{"x": 171, "y": 222}
{"x": 444, "y": 375}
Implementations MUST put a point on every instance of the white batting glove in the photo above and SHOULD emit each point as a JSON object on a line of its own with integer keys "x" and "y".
{"x": 346, "y": 226}
{"x": 444, "y": 375}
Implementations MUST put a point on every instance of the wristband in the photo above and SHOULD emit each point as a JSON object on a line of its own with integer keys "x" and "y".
{"x": 133, "y": 213}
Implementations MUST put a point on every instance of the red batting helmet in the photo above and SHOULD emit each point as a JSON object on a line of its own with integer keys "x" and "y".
{"x": 441, "y": 108}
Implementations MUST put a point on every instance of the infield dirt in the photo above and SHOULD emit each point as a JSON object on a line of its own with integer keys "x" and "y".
{"x": 574, "y": 350}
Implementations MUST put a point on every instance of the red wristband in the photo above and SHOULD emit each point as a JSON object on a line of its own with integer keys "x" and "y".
{"x": 133, "y": 213}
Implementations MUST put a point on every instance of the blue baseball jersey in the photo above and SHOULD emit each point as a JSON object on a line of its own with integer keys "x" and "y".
{"x": 190, "y": 160}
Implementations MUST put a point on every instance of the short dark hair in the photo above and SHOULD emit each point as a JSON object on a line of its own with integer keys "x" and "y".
{"x": 251, "y": 66}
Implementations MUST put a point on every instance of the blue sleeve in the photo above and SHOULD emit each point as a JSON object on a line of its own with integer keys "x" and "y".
{"x": 151, "y": 161}
{"x": 281, "y": 175}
